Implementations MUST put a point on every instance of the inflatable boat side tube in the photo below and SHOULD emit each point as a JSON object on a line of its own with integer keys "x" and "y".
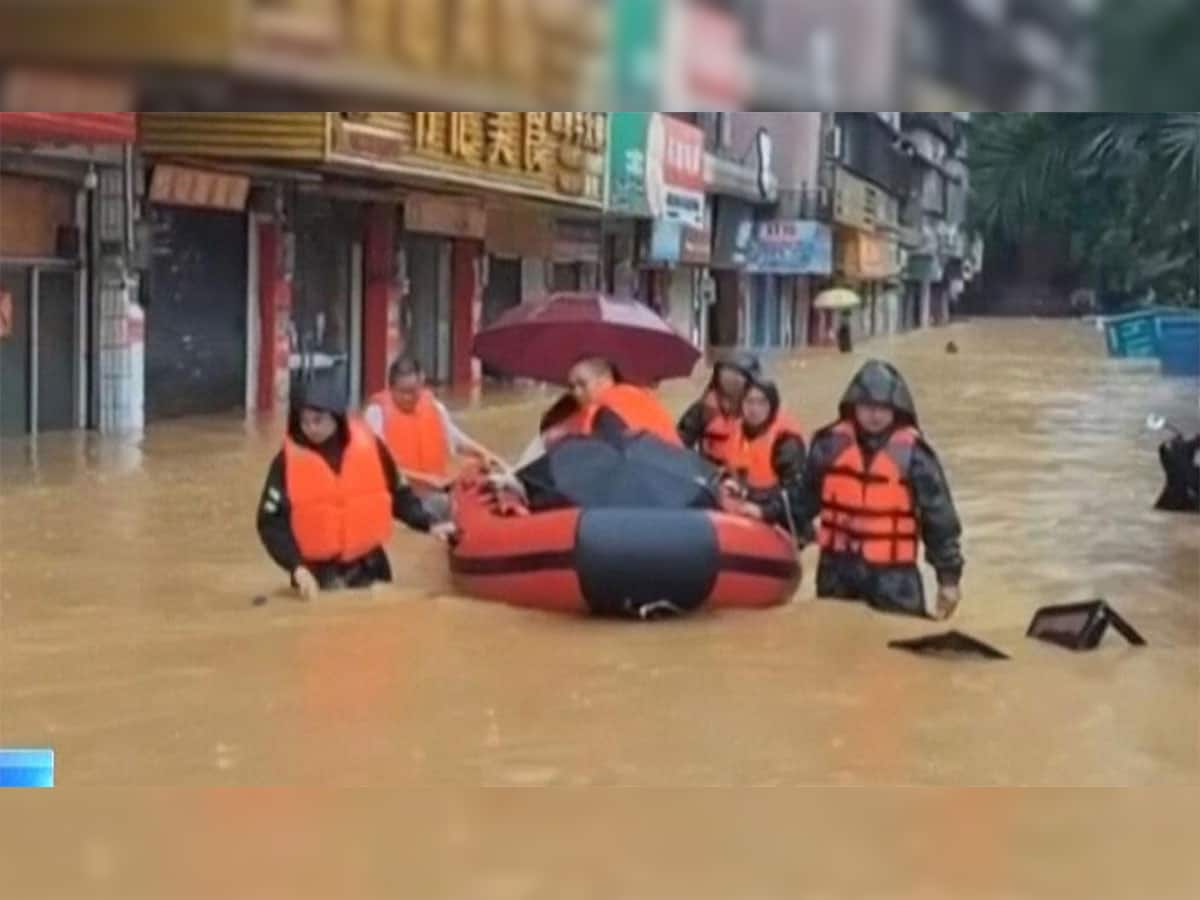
{"x": 639, "y": 563}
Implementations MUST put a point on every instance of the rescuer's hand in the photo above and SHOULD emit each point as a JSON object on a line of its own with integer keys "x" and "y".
{"x": 948, "y": 597}
{"x": 444, "y": 531}
{"x": 306, "y": 583}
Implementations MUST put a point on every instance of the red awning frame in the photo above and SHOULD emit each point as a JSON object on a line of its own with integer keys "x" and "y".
{"x": 69, "y": 127}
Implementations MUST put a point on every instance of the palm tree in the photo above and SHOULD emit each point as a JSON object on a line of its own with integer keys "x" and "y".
{"x": 1124, "y": 187}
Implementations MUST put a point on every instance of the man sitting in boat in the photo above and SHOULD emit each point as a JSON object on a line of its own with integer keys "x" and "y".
{"x": 611, "y": 406}
{"x": 880, "y": 491}
{"x": 710, "y": 425}
{"x": 329, "y": 499}
{"x": 418, "y": 430}
{"x": 766, "y": 457}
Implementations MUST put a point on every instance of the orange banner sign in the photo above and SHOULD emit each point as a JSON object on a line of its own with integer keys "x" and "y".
{"x": 181, "y": 186}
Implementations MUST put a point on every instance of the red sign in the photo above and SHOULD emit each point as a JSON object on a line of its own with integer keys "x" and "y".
{"x": 683, "y": 165}
{"x": 78, "y": 127}
{"x": 6, "y": 314}
{"x": 715, "y": 70}
{"x": 181, "y": 186}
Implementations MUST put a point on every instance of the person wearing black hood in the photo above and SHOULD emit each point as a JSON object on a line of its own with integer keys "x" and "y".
{"x": 330, "y": 496}
{"x": 767, "y": 462}
{"x": 710, "y": 425}
{"x": 879, "y": 491}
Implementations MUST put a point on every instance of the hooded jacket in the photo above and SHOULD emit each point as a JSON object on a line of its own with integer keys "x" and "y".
{"x": 940, "y": 529}
{"x": 274, "y": 509}
{"x": 788, "y": 455}
{"x": 696, "y": 419}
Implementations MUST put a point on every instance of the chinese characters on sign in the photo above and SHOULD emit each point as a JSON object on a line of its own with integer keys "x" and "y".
{"x": 785, "y": 247}
{"x": 657, "y": 168}
{"x": 557, "y": 154}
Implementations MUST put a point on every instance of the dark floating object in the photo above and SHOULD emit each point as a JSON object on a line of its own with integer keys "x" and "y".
{"x": 1080, "y": 626}
{"x": 949, "y": 644}
{"x": 259, "y": 599}
{"x": 952, "y": 348}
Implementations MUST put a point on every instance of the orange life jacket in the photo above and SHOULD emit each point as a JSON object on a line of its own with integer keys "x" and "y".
{"x": 717, "y": 443}
{"x": 870, "y": 511}
{"x": 750, "y": 459}
{"x": 417, "y": 440}
{"x": 338, "y": 515}
{"x": 638, "y": 408}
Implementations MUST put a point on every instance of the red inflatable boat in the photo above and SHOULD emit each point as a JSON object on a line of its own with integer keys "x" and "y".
{"x": 641, "y": 564}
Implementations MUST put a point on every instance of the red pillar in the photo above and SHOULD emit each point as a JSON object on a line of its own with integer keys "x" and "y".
{"x": 274, "y": 310}
{"x": 381, "y": 335}
{"x": 466, "y": 300}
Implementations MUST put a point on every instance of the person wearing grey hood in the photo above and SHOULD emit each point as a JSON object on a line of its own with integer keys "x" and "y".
{"x": 330, "y": 496}
{"x": 711, "y": 424}
{"x": 880, "y": 492}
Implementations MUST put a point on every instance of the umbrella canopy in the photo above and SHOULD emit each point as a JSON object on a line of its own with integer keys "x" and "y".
{"x": 837, "y": 298}
{"x": 542, "y": 339}
{"x": 640, "y": 471}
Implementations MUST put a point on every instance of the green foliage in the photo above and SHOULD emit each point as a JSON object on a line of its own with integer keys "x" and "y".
{"x": 1147, "y": 54}
{"x": 1123, "y": 188}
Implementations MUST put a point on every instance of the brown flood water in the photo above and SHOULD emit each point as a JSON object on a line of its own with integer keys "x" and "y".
{"x": 129, "y": 642}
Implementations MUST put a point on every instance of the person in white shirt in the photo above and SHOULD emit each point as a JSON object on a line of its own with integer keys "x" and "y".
{"x": 419, "y": 432}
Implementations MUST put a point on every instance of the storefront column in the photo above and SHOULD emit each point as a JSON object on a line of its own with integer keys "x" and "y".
{"x": 122, "y": 321}
{"x": 274, "y": 311}
{"x": 926, "y": 291}
{"x": 381, "y": 310}
{"x": 466, "y": 309}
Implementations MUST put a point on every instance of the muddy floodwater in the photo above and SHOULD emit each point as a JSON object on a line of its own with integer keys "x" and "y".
{"x": 131, "y": 644}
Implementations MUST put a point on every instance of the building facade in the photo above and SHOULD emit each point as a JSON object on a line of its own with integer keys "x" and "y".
{"x": 70, "y": 327}
{"x": 934, "y": 214}
{"x": 871, "y": 174}
{"x": 351, "y": 237}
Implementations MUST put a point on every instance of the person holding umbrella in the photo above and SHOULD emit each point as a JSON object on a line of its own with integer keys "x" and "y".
{"x": 842, "y": 300}
{"x": 611, "y": 408}
{"x": 601, "y": 348}
{"x": 330, "y": 496}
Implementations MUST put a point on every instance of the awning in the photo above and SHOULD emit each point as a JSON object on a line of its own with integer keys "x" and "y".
{"x": 70, "y": 127}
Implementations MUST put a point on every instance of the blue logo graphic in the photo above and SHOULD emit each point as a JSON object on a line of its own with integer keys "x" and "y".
{"x": 26, "y": 768}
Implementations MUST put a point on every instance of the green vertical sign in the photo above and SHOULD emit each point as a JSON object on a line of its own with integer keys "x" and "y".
{"x": 637, "y": 53}
{"x": 627, "y": 163}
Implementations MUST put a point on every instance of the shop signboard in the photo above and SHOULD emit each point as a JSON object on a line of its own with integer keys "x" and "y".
{"x": 785, "y": 247}
{"x": 673, "y": 242}
{"x": 549, "y": 155}
{"x": 185, "y": 186}
{"x": 656, "y": 168}
{"x": 867, "y": 256}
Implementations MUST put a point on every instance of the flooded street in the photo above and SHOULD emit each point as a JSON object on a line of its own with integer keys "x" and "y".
{"x": 129, "y": 641}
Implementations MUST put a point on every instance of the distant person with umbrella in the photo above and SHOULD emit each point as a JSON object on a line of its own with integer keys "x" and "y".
{"x": 845, "y": 334}
{"x": 841, "y": 300}
{"x": 710, "y": 425}
{"x": 330, "y": 497}
{"x": 766, "y": 462}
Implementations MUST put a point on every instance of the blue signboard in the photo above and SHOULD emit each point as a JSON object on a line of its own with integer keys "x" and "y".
{"x": 785, "y": 247}
{"x": 26, "y": 768}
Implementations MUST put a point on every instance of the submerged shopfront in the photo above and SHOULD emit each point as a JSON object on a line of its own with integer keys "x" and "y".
{"x": 370, "y": 233}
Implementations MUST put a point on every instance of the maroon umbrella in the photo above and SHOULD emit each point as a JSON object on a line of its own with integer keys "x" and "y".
{"x": 543, "y": 338}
